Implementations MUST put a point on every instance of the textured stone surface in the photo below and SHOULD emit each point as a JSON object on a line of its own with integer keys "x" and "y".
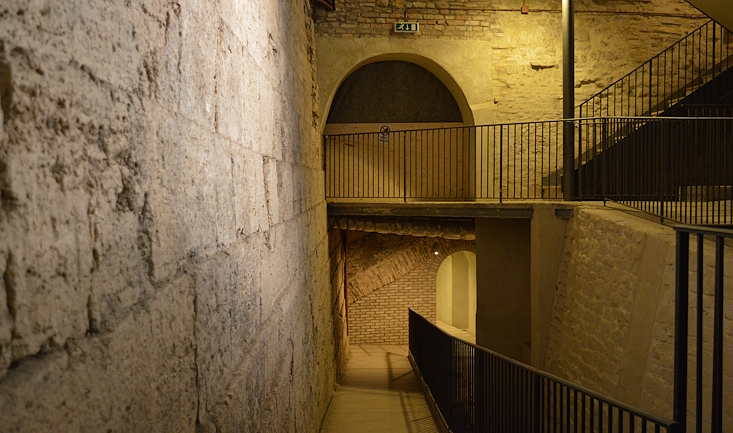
{"x": 515, "y": 59}
{"x": 337, "y": 250}
{"x": 443, "y": 229}
{"x": 163, "y": 239}
{"x": 613, "y": 321}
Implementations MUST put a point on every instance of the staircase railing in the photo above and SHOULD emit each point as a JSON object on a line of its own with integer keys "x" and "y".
{"x": 478, "y": 390}
{"x": 679, "y": 169}
{"x": 666, "y": 78}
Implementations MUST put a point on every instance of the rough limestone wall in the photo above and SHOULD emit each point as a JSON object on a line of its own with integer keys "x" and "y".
{"x": 389, "y": 274}
{"x": 519, "y": 58}
{"x": 163, "y": 239}
{"x": 613, "y": 321}
{"x": 337, "y": 258}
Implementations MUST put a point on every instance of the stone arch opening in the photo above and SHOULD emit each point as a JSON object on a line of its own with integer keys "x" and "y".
{"x": 423, "y": 149}
{"x": 393, "y": 91}
{"x": 455, "y": 295}
{"x": 404, "y": 63}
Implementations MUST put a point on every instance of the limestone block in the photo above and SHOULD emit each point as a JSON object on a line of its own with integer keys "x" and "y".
{"x": 184, "y": 210}
{"x": 246, "y": 214}
{"x": 253, "y": 178}
{"x": 81, "y": 388}
{"x": 265, "y": 109}
{"x": 49, "y": 253}
{"x": 229, "y": 85}
{"x": 271, "y": 190}
{"x": 227, "y": 312}
{"x": 200, "y": 26}
{"x": 6, "y": 320}
{"x": 286, "y": 187}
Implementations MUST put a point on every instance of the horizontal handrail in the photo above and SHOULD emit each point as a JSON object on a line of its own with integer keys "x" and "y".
{"x": 646, "y": 415}
{"x": 570, "y": 119}
{"x": 476, "y": 388}
{"x": 703, "y": 230}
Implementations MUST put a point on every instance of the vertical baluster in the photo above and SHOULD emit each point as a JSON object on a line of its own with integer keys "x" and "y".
{"x": 717, "y": 403}
{"x": 681, "y": 329}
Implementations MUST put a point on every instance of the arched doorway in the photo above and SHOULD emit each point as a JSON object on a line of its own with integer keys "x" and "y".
{"x": 395, "y": 92}
{"x": 455, "y": 297}
{"x": 418, "y": 70}
{"x": 395, "y": 130}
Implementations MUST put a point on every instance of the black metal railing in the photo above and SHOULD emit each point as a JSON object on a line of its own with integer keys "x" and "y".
{"x": 477, "y": 390}
{"x": 502, "y": 162}
{"x": 706, "y": 405}
{"x": 680, "y": 169}
{"x": 667, "y": 78}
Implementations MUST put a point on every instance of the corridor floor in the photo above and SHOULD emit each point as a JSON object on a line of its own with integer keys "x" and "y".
{"x": 378, "y": 393}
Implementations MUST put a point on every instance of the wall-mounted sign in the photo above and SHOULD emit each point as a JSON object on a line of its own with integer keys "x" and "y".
{"x": 384, "y": 134}
{"x": 406, "y": 27}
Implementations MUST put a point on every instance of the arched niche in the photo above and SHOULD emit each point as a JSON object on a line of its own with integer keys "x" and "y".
{"x": 430, "y": 66}
{"x": 455, "y": 297}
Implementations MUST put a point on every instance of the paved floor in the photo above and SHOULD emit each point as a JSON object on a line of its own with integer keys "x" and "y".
{"x": 378, "y": 393}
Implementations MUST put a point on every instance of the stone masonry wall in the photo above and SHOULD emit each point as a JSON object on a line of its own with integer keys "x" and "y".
{"x": 508, "y": 64}
{"x": 389, "y": 274}
{"x": 337, "y": 258}
{"x": 613, "y": 322}
{"x": 163, "y": 240}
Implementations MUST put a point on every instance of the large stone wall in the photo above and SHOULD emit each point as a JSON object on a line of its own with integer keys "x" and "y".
{"x": 337, "y": 258}
{"x": 163, "y": 239}
{"x": 506, "y": 64}
{"x": 612, "y": 328}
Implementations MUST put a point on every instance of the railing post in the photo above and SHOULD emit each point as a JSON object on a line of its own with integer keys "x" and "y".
{"x": 568, "y": 85}
{"x": 580, "y": 179}
{"x": 404, "y": 166}
{"x": 716, "y": 422}
{"x": 536, "y": 403}
{"x": 501, "y": 162}
{"x": 604, "y": 157}
{"x": 681, "y": 329}
{"x": 650, "y": 88}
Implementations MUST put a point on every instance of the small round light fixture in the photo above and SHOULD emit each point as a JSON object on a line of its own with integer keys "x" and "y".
{"x": 436, "y": 249}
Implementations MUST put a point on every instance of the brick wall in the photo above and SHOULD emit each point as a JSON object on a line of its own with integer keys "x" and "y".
{"x": 445, "y": 19}
{"x": 379, "y": 315}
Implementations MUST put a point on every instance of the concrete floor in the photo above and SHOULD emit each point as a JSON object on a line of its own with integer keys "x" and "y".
{"x": 378, "y": 393}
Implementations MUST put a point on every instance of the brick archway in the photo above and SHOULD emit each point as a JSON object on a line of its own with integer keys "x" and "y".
{"x": 380, "y": 317}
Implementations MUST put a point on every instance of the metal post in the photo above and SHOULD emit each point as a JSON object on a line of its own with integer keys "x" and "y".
{"x": 568, "y": 102}
{"x": 681, "y": 328}
{"x": 716, "y": 423}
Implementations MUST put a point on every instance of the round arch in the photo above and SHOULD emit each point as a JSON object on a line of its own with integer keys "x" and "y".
{"x": 455, "y": 297}
{"x": 429, "y": 64}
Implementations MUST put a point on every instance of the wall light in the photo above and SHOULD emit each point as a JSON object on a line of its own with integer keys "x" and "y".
{"x": 436, "y": 249}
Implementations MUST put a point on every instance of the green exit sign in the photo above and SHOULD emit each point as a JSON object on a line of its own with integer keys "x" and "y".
{"x": 406, "y": 27}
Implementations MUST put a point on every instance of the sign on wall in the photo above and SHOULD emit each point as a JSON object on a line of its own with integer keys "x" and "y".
{"x": 384, "y": 134}
{"x": 406, "y": 27}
